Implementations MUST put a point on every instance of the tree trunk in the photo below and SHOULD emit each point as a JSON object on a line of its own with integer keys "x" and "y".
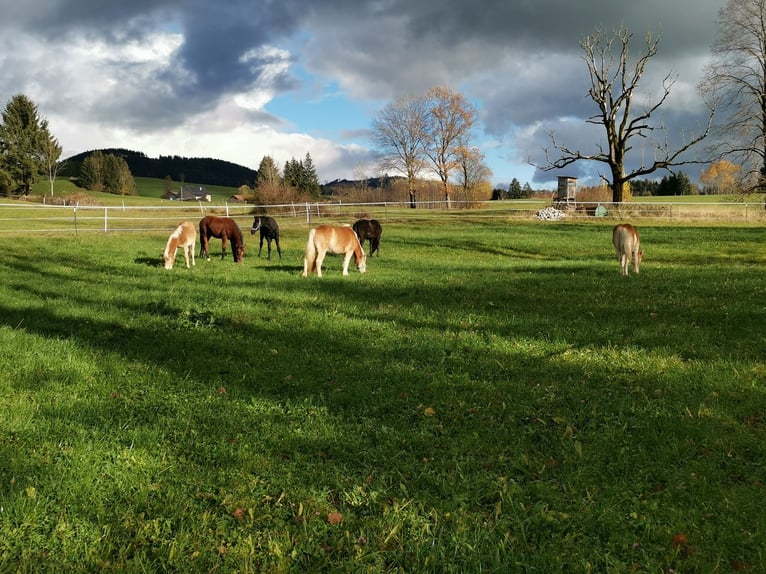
{"x": 618, "y": 183}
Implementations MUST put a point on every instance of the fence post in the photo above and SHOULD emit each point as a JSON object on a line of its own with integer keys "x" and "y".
{"x": 75, "y": 218}
{"x": 308, "y": 213}
{"x": 106, "y": 219}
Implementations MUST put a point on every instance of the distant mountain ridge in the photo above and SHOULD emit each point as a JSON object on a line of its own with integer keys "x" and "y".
{"x": 207, "y": 171}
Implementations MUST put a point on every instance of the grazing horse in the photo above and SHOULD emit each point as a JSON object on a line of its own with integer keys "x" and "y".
{"x": 627, "y": 243}
{"x": 335, "y": 240}
{"x": 226, "y": 229}
{"x": 269, "y": 230}
{"x": 369, "y": 229}
{"x": 184, "y": 236}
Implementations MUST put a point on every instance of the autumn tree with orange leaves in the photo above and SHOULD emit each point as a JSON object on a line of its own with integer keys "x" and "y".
{"x": 415, "y": 133}
{"x": 450, "y": 120}
{"x": 721, "y": 177}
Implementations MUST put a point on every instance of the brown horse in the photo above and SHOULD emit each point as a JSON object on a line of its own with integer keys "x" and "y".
{"x": 369, "y": 229}
{"x": 184, "y": 236}
{"x": 335, "y": 240}
{"x": 224, "y": 228}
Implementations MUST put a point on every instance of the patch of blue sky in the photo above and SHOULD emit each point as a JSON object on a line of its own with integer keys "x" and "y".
{"x": 319, "y": 107}
{"x": 321, "y": 111}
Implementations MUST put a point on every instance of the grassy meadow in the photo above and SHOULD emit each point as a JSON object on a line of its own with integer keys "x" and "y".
{"x": 488, "y": 397}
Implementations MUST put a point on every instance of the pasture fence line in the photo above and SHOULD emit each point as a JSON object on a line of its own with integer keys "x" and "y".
{"x": 22, "y": 217}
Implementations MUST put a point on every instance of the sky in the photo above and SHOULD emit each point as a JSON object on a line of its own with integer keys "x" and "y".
{"x": 241, "y": 79}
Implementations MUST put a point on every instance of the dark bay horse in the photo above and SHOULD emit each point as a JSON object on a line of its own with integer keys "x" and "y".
{"x": 269, "y": 231}
{"x": 224, "y": 228}
{"x": 369, "y": 229}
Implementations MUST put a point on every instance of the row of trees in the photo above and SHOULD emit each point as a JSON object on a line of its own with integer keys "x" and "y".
{"x": 430, "y": 131}
{"x": 28, "y": 151}
{"x": 108, "y": 173}
{"x": 297, "y": 180}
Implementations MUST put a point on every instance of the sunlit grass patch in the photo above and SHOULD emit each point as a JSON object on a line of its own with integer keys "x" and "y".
{"x": 489, "y": 398}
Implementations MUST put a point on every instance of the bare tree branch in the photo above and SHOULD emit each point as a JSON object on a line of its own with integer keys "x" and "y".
{"x": 614, "y": 82}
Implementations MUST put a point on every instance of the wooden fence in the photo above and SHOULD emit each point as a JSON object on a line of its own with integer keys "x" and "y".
{"x": 24, "y": 217}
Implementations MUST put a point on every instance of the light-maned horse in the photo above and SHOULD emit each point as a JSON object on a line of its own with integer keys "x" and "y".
{"x": 627, "y": 244}
{"x": 338, "y": 240}
{"x": 185, "y": 237}
{"x": 224, "y": 228}
{"x": 269, "y": 231}
{"x": 369, "y": 229}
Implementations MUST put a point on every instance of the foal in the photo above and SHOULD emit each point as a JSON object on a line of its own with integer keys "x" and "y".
{"x": 269, "y": 231}
{"x": 184, "y": 236}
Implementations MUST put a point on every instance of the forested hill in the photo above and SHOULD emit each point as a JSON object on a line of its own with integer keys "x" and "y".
{"x": 192, "y": 169}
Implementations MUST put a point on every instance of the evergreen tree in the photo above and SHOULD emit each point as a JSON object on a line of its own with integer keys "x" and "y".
{"x": 310, "y": 179}
{"x": 23, "y": 138}
{"x": 526, "y": 191}
{"x": 514, "y": 190}
{"x": 676, "y": 184}
{"x": 293, "y": 173}
{"x": 91, "y": 172}
{"x": 112, "y": 174}
{"x": 109, "y": 173}
{"x": 268, "y": 172}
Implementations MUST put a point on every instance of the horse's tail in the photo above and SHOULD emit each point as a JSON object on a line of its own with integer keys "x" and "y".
{"x": 310, "y": 261}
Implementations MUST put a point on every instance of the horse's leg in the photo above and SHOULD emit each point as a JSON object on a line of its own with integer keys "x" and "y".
{"x": 276, "y": 240}
{"x": 346, "y": 261}
{"x": 223, "y": 246}
{"x": 203, "y": 252}
{"x": 319, "y": 260}
{"x": 260, "y": 245}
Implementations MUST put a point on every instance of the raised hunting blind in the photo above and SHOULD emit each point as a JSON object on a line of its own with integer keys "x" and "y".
{"x": 566, "y": 194}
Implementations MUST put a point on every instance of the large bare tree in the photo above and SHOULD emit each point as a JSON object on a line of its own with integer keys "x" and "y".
{"x": 451, "y": 118}
{"x": 399, "y": 133}
{"x": 736, "y": 79}
{"x": 614, "y": 80}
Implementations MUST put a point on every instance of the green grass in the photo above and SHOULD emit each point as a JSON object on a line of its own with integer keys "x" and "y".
{"x": 491, "y": 397}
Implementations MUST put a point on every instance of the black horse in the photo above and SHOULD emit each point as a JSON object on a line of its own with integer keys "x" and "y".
{"x": 269, "y": 230}
{"x": 369, "y": 229}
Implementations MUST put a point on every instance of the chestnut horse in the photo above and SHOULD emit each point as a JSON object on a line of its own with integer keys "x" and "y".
{"x": 269, "y": 231}
{"x": 184, "y": 236}
{"x": 224, "y": 228}
{"x": 627, "y": 243}
{"x": 335, "y": 240}
{"x": 369, "y": 229}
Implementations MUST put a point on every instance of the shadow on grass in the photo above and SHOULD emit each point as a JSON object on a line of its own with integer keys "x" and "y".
{"x": 560, "y": 378}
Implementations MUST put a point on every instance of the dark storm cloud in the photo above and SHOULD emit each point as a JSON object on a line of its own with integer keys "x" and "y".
{"x": 520, "y": 59}
{"x": 209, "y": 64}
